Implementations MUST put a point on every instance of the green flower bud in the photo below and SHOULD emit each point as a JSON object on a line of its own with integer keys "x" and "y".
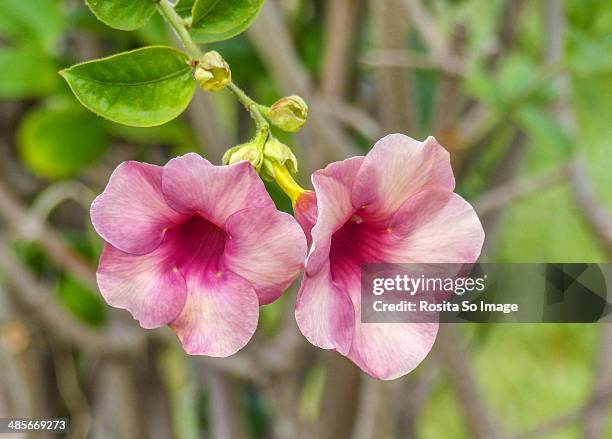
{"x": 212, "y": 72}
{"x": 276, "y": 152}
{"x": 249, "y": 152}
{"x": 289, "y": 113}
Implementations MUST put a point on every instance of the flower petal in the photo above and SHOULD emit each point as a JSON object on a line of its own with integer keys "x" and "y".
{"x": 383, "y": 350}
{"x": 220, "y": 315}
{"x": 324, "y": 312}
{"x": 435, "y": 226}
{"x": 267, "y": 248}
{"x": 396, "y": 168}
{"x": 305, "y": 212}
{"x": 333, "y": 186}
{"x": 131, "y": 213}
{"x": 192, "y": 184}
{"x": 391, "y": 350}
{"x": 148, "y": 286}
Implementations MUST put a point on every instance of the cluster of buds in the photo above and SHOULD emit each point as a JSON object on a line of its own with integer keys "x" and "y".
{"x": 272, "y": 159}
{"x": 212, "y": 71}
{"x": 250, "y": 152}
{"x": 265, "y": 153}
{"x": 277, "y": 155}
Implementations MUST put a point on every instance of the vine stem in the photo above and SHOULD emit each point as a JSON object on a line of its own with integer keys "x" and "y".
{"x": 283, "y": 177}
{"x": 167, "y": 10}
{"x": 252, "y": 107}
{"x": 178, "y": 24}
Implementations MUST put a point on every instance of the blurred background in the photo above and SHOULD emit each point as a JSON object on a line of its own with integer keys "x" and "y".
{"x": 520, "y": 93}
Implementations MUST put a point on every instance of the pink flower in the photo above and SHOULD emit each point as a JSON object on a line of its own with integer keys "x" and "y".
{"x": 395, "y": 205}
{"x": 196, "y": 247}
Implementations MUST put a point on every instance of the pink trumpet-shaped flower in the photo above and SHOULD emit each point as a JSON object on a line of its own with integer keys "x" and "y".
{"x": 395, "y": 205}
{"x": 196, "y": 247}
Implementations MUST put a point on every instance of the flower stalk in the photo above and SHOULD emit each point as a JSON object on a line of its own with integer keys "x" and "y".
{"x": 166, "y": 9}
{"x": 259, "y": 113}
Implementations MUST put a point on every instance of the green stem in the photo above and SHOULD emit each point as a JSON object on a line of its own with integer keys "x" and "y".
{"x": 283, "y": 176}
{"x": 252, "y": 107}
{"x": 166, "y": 9}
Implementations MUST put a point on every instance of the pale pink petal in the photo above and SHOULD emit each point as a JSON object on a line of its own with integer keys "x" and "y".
{"x": 265, "y": 247}
{"x": 148, "y": 286}
{"x": 333, "y": 186}
{"x": 220, "y": 315}
{"x": 383, "y": 350}
{"x": 434, "y": 226}
{"x": 131, "y": 213}
{"x": 305, "y": 211}
{"x": 192, "y": 184}
{"x": 391, "y": 350}
{"x": 324, "y": 312}
{"x": 396, "y": 168}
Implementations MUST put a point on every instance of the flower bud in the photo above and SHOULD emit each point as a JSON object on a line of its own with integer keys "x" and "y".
{"x": 212, "y": 72}
{"x": 276, "y": 152}
{"x": 289, "y": 113}
{"x": 249, "y": 152}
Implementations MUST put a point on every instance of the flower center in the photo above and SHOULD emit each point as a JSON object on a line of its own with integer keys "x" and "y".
{"x": 355, "y": 243}
{"x": 197, "y": 245}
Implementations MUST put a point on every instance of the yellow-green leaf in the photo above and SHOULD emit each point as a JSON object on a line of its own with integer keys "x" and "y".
{"x": 144, "y": 87}
{"x": 26, "y": 73}
{"x": 59, "y": 142}
{"x": 122, "y": 14}
{"x": 217, "y": 20}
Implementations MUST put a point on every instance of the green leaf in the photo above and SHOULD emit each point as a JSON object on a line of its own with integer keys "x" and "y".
{"x": 544, "y": 129}
{"x": 59, "y": 142}
{"x": 37, "y": 23}
{"x": 82, "y": 302}
{"x": 217, "y": 20}
{"x": 25, "y": 73}
{"x": 144, "y": 87}
{"x": 590, "y": 56}
{"x": 122, "y": 14}
{"x": 184, "y": 7}
{"x": 154, "y": 33}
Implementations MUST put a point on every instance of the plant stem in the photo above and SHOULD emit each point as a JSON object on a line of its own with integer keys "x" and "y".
{"x": 283, "y": 176}
{"x": 166, "y": 9}
{"x": 251, "y": 106}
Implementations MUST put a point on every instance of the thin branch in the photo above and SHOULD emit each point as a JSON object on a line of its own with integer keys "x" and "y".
{"x": 41, "y": 304}
{"x": 329, "y": 141}
{"x": 449, "y": 99}
{"x": 393, "y": 86}
{"x": 595, "y": 419}
{"x": 224, "y": 414}
{"x": 353, "y": 117}
{"x": 593, "y": 210}
{"x": 480, "y": 418}
{"x": 426, "y": 26}
{"x": 16, "y": 215}
{"x": 374, "y": 413}
{"x": 340, "y": 21}
{"x": 509, "y": 19}
{"x": 506, "y": 193}
{"x": 400, "y": 58}
{"x": 341, "y": 397}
